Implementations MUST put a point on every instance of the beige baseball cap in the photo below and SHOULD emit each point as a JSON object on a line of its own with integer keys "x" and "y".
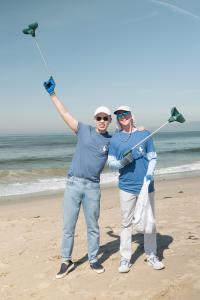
{"x": 122, "y": 107}
{"x": 102, "y": 109}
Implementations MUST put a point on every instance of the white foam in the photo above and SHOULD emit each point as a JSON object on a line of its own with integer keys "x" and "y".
{"x": 42, "y": 185}
{"x": 58, "y": 183}
{"x": 179, "y": 169}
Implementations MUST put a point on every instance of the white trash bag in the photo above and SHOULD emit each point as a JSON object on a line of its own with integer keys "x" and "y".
{"x": 144, "y": 220}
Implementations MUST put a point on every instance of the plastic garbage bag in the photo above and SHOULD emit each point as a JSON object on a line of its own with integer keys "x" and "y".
{"x": 144, "y": 220}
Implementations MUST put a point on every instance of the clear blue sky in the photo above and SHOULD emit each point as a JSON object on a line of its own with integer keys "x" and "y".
{"x": 143, "y": 53}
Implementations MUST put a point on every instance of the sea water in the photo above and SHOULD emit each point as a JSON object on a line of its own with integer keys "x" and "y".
{"x": 39, "y": 163}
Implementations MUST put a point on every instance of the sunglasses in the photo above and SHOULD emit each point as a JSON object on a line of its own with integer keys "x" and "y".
{"x": 102, "y": 118}
{"x": 124, "y": 113}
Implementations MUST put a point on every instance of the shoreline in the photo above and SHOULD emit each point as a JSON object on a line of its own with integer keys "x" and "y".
{"x": 59, "y": 193}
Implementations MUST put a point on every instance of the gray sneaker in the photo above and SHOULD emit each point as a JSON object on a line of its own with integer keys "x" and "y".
{"x": 124, "y": 266}
{"x": 97, "y": 267}
{"x": 153, "y": 261}
{"x": 65, "y": 268}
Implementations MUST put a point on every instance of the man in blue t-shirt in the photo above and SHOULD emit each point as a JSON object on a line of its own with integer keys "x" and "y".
{"x": 83, "y": 181}
{"x": 133, "y": 168}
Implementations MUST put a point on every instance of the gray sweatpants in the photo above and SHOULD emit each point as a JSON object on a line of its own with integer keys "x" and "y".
{"x": 128, "y": 202}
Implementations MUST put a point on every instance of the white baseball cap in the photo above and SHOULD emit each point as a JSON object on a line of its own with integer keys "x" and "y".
{"x": 102, "y": 109}
{"x": 122, "y": 107}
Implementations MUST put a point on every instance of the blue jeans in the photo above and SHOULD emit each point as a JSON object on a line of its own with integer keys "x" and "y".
{"x": 80, "y": 190}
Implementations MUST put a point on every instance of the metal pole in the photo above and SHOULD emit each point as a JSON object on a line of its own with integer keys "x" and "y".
{"x": 42, "y": 56}
{"x": 146, "y": 138}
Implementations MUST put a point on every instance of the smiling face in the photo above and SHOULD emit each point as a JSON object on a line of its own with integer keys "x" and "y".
{"x": 102, "y": 122}
{"x": 124, "y": 118}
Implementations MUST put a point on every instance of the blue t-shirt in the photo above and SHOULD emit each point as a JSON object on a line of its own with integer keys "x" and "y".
{"x": 131, "y": 177}
{"x": 90, "y": 154}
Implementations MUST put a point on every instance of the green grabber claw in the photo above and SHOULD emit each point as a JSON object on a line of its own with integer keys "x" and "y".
{"x": 176, "y": 116}
{"x": 31, "y": 29}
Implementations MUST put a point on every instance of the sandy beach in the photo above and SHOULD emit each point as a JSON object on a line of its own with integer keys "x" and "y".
{"x": 30, "y": 247}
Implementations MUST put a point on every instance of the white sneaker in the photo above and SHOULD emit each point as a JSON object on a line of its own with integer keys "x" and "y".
{"x": 153, "y": 261}
{"x": 124, "y": 266}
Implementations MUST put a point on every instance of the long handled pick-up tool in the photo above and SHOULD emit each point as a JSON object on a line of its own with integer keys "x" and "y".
{"x": 30, "y": 30}
{"x": 176, "y": 116}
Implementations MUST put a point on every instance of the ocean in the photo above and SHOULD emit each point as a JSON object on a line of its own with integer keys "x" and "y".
{"x": 38, "y": 163}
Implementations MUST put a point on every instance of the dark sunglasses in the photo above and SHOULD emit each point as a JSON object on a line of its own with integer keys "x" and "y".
{"x": 102, "y": 118}
{"x": 124, "y": 113}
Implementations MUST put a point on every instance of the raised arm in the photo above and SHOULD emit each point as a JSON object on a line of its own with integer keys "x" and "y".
{"x": 66, "y": 116}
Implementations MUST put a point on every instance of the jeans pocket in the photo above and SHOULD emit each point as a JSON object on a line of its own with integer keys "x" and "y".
{"x": 94, "y": 186}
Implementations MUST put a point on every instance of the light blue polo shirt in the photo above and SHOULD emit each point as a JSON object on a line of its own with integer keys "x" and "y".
{"x": 90, "y": 154}
{"x": 131, "y": 177}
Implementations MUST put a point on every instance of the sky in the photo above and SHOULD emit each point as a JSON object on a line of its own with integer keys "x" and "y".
{"x": 141, "y": 53}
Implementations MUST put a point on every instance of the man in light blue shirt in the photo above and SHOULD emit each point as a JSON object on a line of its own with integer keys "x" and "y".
{"x": 133, "y": 168}
{"x": 83, "y": 181}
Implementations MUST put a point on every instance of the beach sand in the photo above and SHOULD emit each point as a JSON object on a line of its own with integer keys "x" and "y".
{"x": 30, "y": 236}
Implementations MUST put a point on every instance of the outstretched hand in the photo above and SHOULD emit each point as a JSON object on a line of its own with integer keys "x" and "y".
{"x": 50, "y": 86}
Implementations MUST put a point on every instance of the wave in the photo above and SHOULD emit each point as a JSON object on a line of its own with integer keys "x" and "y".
{"x": 39, "y": 145}
{"x": 179, "y": 169}
{"x": 32, "y": 187}
{"x": 180, "y": 151}
{"x": 33, "y": 159}
{"x": 67, "y": 157}
{"x": 29, "y": 175}
{"x": 58, "y": 182}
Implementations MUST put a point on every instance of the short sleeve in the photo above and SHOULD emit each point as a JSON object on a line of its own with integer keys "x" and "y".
{"x": 112, "y": 150}
{"x": 82, "y": 129}
{"x": 150, "y": 145}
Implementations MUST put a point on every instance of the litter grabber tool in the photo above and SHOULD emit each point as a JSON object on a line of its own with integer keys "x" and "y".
{"x": 176, "y": 116}
{"x": 30, "y": 30}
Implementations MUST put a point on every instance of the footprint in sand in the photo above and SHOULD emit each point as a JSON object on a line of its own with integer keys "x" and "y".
{"x": 22, "y": 252}
{"x": 4, "y": 264}
{"x": 53, "y": 258}
{"x": 4, "y": 274}
{"x": 33, "y": 295}
{"x": 192, "y": 237}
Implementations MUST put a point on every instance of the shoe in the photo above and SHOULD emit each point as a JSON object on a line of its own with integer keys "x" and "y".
{"x": 124, "y": 266}
{"x": 65, "y": 268}
{"x": 153, "y": 261}
{"x": 97, "y": 267}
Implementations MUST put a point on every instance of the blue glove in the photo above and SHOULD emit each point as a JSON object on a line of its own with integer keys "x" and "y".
{"x": 127, "y": 158}
{"x": 50, "y": 86}
{"x": 149, "y": 178}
